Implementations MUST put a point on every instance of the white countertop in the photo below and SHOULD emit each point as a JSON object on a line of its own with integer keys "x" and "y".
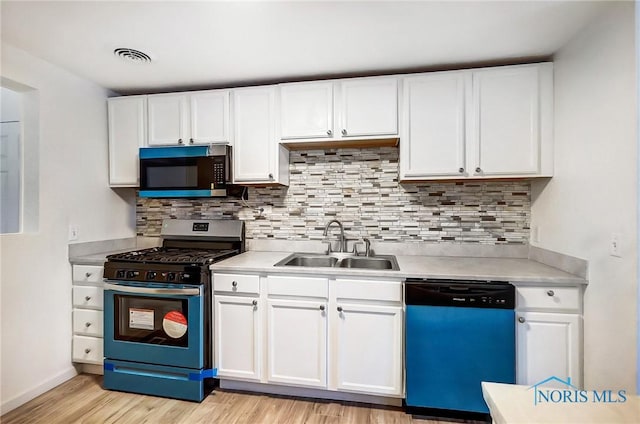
{"x": 511, "y": 404}
{"x": 500, "y": 269}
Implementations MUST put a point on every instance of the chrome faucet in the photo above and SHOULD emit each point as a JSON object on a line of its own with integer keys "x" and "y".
{"x": 343, "y": 241}
{"x": 367, "y": 247}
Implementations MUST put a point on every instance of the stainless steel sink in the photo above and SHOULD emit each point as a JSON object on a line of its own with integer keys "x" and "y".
{"x": 368, "y": 263}
{"x": 336, "y": 260}
{"x": 310, "y": 261}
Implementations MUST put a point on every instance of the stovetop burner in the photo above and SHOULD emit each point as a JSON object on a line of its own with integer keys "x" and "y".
{"x": 173, "y": 255}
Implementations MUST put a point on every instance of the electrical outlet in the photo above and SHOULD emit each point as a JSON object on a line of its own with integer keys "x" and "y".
{"x": 614, "y": 245}
{"x": 73, "y": 232}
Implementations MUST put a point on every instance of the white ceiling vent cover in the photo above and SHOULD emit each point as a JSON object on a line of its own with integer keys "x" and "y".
{"x": 132, "y": 55}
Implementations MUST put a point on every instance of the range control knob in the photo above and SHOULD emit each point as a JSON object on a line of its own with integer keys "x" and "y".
{"x": 132, "y": 274}
{"x": 151, "y": 275}
{"x": 171, "y": 276}
{"x": 120, "y": 273}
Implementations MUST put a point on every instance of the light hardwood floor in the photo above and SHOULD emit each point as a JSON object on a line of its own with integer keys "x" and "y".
{"x": 82, "y": 400}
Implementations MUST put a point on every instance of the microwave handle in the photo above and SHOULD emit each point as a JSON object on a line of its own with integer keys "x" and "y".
{"x": 151, "y": 290}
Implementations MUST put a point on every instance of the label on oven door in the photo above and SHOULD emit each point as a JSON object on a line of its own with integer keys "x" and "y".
{"x": 174, "y": 324}
{"x": 141, "y": 318}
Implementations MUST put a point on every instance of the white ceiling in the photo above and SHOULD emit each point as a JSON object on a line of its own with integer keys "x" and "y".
{"x": 212, "y": 44}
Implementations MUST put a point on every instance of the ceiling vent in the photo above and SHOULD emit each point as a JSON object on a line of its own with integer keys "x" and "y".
{"x": 132, "y": 55}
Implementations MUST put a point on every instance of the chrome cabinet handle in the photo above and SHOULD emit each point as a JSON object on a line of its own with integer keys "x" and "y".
{"x": 461, "y": 170}
{"x": 254, "y": 303}
{"x": 191, "y": 141}
{"x": 87, "y": 324}
{"x": 87, "y": 274}
{"x": 271, "y": 176}
{"x": 521, "y": 319}
{"x": 322, "y": 307}
{"x": 87, "y": 350}
{"x": 180, "y": 141}
{"x": 329, "y": 132}
{"x": 478, "y": 170}
{"x": 339, "y": 308}
{"x": 344, "y": 132}
{"x": 234, "y": 283}
{"x": 87, "y": 298}
{"x": 550, "y": 293}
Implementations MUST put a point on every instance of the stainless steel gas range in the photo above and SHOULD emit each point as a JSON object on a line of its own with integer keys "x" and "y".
{"x": 157, "y": 310}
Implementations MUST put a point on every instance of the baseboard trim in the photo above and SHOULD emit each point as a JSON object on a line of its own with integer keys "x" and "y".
{"x": 34, "y": 392}
{"x": 308, "y": 393}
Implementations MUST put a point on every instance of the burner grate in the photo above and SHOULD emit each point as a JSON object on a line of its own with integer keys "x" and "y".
{"x": 173, "y": 255}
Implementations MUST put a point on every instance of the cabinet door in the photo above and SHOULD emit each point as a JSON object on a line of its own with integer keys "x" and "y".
{"x": 368, "y": 347}
{"x": 168, "y": 119}
{"x": 548, "y": 344}
{"x": 209, "y": 117}
{"x": 255, "y": 143}
{"x": 369, "y": 107}
{"x": 306, "y": 110}
{"x": 237, "y": 337}
{"x": 127, "y": 133}
{"x": 297, "y": 341}
{"x": 433, "y": 125}
{"x": 506, "y": 115}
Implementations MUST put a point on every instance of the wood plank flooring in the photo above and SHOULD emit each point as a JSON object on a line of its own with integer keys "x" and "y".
{"x": 82, "y": 400}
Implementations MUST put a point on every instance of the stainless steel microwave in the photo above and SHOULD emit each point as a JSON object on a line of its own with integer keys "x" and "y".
{"x": 186, "y": 171}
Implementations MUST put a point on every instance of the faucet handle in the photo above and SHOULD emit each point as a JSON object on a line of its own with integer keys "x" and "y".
{"x": 355, "y": 249}
{"x": 328, "y": 242}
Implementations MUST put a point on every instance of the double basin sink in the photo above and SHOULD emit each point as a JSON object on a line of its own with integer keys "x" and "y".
{"x": 337, "y": 260}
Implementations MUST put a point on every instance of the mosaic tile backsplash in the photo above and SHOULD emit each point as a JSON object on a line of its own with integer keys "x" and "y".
{"x": 360, "y": 188}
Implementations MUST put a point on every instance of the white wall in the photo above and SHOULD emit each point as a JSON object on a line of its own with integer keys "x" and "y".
{"x": 35, "y": 286}
{"x": 593, "y": 191}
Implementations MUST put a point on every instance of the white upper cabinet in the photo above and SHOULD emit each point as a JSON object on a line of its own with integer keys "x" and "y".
{"x": 369, "y": 107}
{"x": 306, "y": 110}
{"x": 200, "y": 117}
{"x": 357, "y": 108}
{"x": 168, "y": 119}
{"x": 433, "y": 141}
{"x": 508, "y": 104}
{"x": 127, "y": 133}
{"x": 209, "y": 116}
{"x": 484, "y": 123}
{"x": 258, "y": 158}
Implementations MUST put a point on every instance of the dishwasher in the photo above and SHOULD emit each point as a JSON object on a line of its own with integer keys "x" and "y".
{"x": 458, "y": 333}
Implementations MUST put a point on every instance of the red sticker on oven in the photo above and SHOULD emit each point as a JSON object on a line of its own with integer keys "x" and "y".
{"x": 174, "y": 324}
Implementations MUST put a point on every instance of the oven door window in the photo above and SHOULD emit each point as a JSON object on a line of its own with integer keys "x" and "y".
{"x": 151, "y": 320}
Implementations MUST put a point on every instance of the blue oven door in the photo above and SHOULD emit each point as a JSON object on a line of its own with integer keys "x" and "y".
{"x": 154, "y": 324}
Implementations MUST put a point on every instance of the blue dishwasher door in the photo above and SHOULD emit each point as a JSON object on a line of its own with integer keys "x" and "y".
{"x": 450, "y": 350}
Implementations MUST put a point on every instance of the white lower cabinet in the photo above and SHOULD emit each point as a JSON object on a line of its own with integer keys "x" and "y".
{"x": 318, "y": 333}
{"x": 548, "y": 334}
{"x": 237, "y": 337}
{"x": 368, "y": 349}
{"x": 87, "y": 294}
{"x": 297, "y": 342}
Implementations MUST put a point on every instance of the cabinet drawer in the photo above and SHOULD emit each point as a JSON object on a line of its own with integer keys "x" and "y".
{"x": 298, "y": 286}
{"x": 88, "y": 349}
{"x": 236, "y": 283}
{"x": 369, "y": 290}
{"x": 548, "y": 298}
{"x": 87, "y": 322}
{"x": 87, "y": 273}
{"x": 87, "y": 297}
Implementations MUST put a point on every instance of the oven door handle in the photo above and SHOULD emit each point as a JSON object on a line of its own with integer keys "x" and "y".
{"x": 151, "y": 290}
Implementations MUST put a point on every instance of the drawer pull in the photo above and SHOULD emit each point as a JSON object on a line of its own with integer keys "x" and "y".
{"x": 255, "y": 304}
{"x": 87, "y": 324}
{"x": 322, "y": 307}
{"x": 87, "y": 298}
{"x": 521, "y": 320}
{"x": 234, "y": 283}
{"x": 87, "y": 274}
{"x": 339, "y": 308}
{"x": 550, "y": 293}
{"x": 87, "y": 351}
